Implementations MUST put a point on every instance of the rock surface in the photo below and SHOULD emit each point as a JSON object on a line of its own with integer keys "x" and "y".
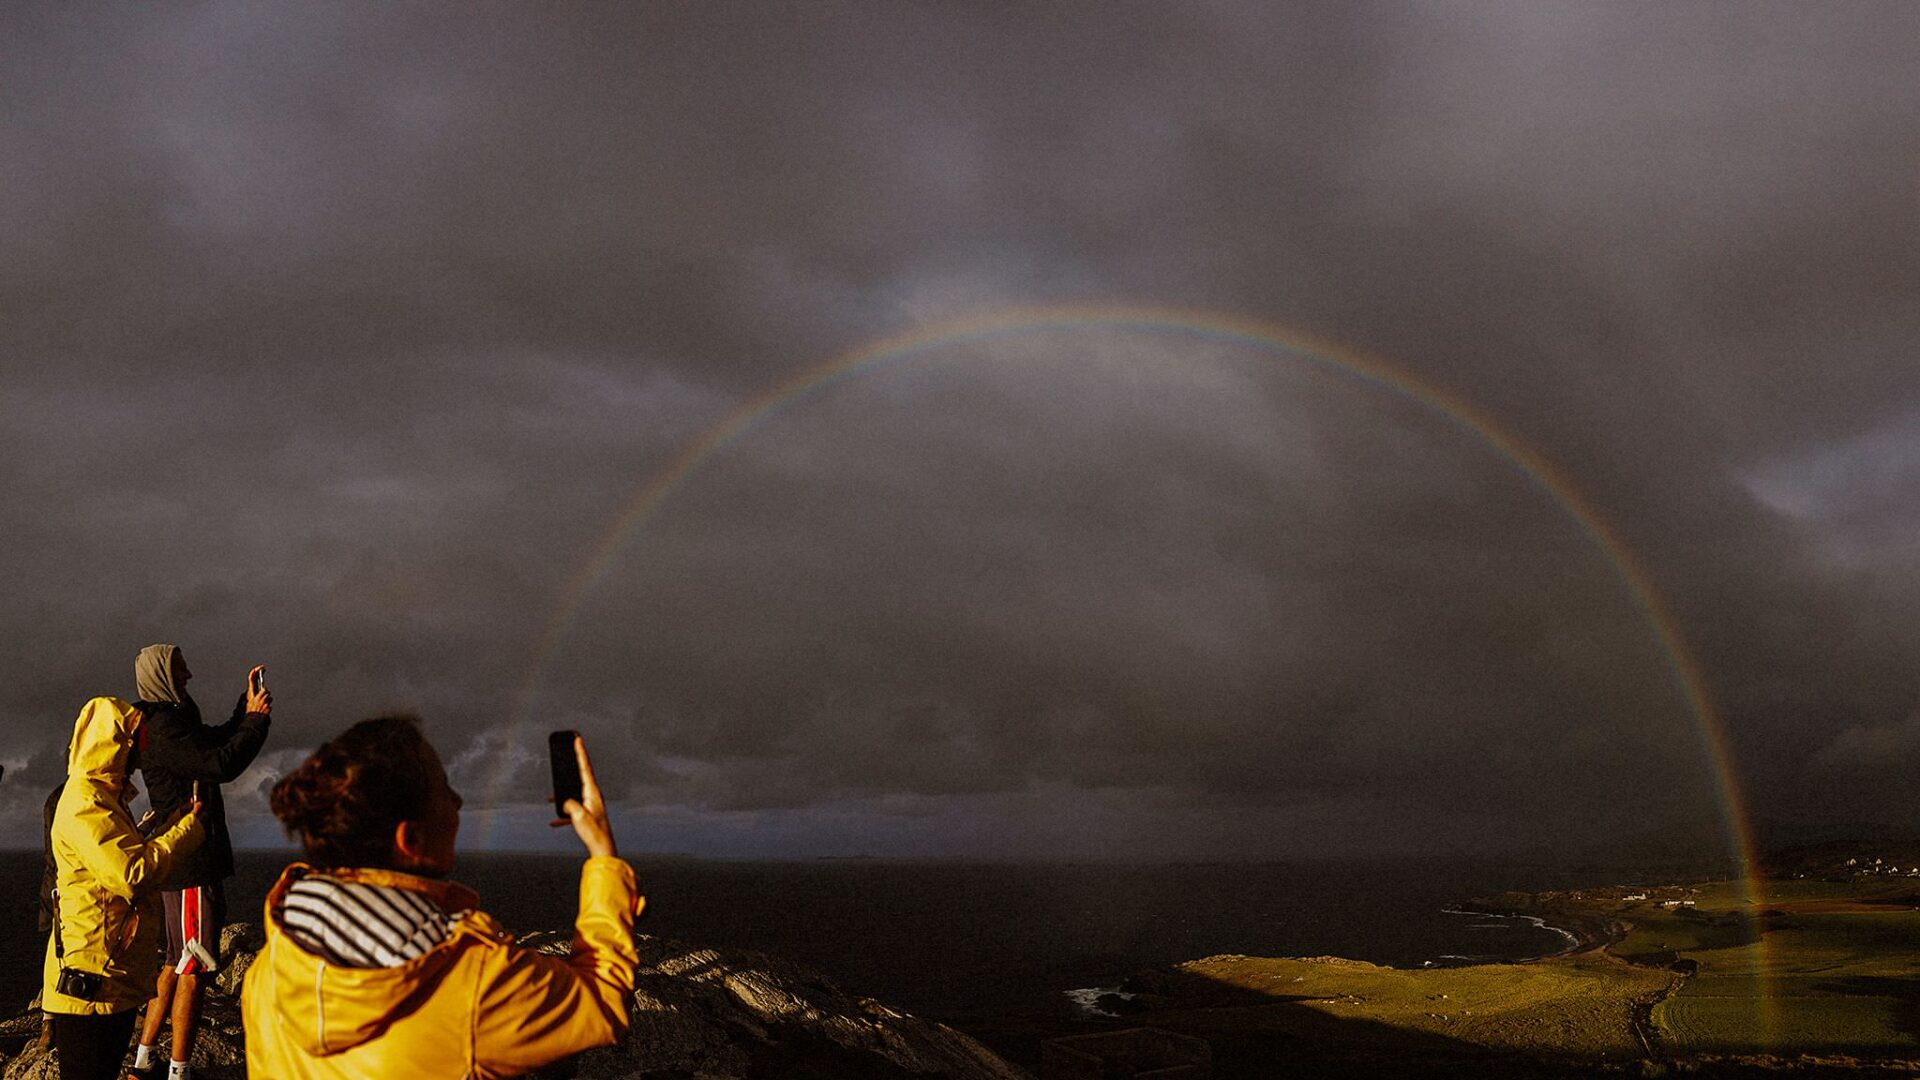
{"x": 698, "y": 1014}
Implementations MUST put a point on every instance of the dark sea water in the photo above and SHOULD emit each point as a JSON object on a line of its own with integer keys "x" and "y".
{"x": 961, "y": 940}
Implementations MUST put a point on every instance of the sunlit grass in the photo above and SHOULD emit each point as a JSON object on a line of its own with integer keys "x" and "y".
{"x": 1578, "y": 1005}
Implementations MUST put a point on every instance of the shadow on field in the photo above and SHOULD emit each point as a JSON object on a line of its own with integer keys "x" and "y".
{"x": 1259, "y": 1036}
{"x": 1254, "y": 1034}
{"x": 1904, "y": 992}
{"x": 1726, "y": 930}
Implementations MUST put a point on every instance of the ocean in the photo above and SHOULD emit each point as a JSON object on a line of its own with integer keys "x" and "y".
{"x": 958, "y": 941}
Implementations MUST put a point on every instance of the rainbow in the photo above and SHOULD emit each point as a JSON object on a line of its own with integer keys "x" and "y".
{"x": 1544, "y": 475}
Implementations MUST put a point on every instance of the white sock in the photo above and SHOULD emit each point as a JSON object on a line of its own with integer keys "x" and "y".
{"x": 179, "y": 1070}
{"x": 142, "y": 1056}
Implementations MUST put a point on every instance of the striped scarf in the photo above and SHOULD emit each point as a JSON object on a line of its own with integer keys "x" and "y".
{"x": 355, "y": 925}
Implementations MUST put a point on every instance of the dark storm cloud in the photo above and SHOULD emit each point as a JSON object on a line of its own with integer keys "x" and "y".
{"x": 340, "y": 337}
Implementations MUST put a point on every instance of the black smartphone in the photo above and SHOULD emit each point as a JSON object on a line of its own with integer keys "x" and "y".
{"x": 566, "y": 769}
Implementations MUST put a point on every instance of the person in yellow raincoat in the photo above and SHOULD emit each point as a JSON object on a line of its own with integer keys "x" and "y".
{"x": 375, "y": 966}
{"x": 104, "y": 950}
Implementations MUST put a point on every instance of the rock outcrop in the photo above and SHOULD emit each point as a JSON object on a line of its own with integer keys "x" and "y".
{"x": 698, "y": 1014}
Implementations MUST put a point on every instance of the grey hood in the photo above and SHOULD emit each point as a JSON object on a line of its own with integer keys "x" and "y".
{"x": 153, "y": 674}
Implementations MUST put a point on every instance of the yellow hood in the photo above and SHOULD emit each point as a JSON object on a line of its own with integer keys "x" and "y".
{"x": 325, "y": 1009}
{"x": 102, "y": 739}
{"x": 477, "y": 1005}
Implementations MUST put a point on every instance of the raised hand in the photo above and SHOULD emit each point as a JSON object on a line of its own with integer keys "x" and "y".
{"x": 588, "y": 814}
{"x": 259, "y": 699}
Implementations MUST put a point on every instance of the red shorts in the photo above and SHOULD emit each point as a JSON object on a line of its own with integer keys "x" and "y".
{"x": 194, "y": 919}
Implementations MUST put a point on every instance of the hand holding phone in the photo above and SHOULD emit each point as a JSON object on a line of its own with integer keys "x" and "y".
{"x": 576, "y": 794}
{"x": 564, "y": 764}
{"x": 258, "y": 697}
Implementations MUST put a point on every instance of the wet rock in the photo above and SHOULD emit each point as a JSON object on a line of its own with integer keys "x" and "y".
{"x": 716, "y": 1014}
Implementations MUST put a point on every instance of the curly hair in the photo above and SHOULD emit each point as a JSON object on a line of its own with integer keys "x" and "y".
{"x": 344, "y": 802}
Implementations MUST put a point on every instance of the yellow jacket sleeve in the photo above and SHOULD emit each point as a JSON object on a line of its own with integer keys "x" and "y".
{"x": 124, "y": 862}
{"x": 533, "y": 1009}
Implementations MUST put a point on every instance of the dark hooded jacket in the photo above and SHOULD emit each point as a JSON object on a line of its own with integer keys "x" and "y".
{"x": 179, "y": 749}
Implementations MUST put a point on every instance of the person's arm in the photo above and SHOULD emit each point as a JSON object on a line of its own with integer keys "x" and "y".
{"x": 217, "y": 755}
{"x": 533, "y": 1009}
{"x": 122, "y": 861}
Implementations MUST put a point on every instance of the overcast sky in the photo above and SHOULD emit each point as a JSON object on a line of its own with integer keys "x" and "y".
{"x": 340, "y": 338}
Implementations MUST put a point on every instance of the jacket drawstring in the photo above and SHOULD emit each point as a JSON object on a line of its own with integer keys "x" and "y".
{"x": 320, "y": 1006}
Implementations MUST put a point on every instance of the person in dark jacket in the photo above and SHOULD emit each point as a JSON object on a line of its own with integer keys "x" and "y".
{"x": 184, "y": 759}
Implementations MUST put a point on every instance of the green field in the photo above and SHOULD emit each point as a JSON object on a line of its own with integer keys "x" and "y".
{"x": 1843, "y": 981}
{"x": 1579, "y": 1005}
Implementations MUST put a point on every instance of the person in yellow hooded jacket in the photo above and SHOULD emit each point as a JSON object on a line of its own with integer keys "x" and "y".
{"x": 104, "y": 950}
{"x": 376, "y": 966}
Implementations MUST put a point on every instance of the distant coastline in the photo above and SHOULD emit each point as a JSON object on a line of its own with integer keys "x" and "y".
{"x": 1576, "y": 940}
{"x": 1581, "y": 935}
{"x": 1584, "y": 928}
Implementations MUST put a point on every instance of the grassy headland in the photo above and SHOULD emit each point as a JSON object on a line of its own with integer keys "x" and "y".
{"x": 1808, "y": 976}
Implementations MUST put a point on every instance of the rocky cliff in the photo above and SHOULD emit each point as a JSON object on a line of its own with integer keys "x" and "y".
{"x": 698, "y": 1014}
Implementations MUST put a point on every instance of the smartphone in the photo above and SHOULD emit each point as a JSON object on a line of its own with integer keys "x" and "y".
{"x": 566, "y": 769}
{"x": 257, "y": 679}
